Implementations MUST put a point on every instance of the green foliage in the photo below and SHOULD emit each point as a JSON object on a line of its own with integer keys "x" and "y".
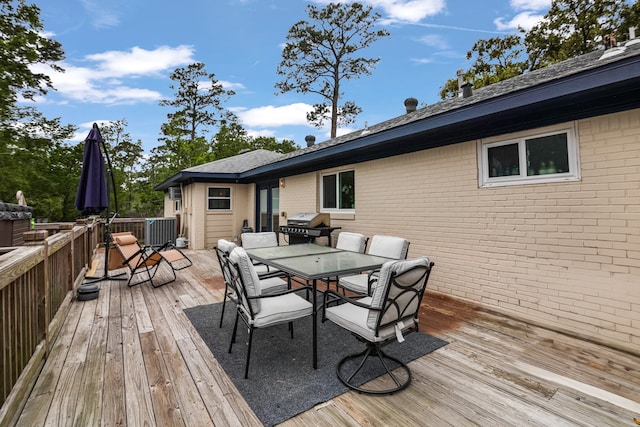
{"x": 319, "y": 56}
{"x": 570, "y": 28}
{"x": 198, "y": 107}
{"x": 22, "y": 46}
{"x": 233, "y": 139}
{"x": 34, "y": 160}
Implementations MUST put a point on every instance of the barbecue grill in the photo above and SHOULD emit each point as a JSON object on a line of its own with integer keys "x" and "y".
{"x": 305, "y": 227}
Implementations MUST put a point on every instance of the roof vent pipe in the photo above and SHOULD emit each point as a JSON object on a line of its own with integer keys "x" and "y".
{"x": 460, "y": 74}
{"x": 310, "y": 140}
{"x": 467, "y": 89}
{"x": 410, "y": 104}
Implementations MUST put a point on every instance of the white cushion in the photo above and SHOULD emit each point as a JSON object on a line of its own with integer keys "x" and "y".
{"x": 226, "y": 246}
{"x": 358, "y": 283}
{"x": 273, "y": 285}
{"x": 282, "y": 309}
{"x": 389, "y": 246}
{"x": 354, "y": 319}
{"x": 354, "y": 242}
{"x": 259, "y": 240}
{"x": 248, "y": 274}
{"x": 380, "y": 291}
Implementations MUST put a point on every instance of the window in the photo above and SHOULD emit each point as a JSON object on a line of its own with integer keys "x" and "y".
{"x": 338, "y": 191}
{"x": 219, "y": 198}
{"x": 550, "y": 155}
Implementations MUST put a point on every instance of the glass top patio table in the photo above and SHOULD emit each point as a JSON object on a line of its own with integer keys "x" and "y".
{"x": 327, "y": 264}
{"x": 312, "y": 262}
{"x": 286, "y": 251}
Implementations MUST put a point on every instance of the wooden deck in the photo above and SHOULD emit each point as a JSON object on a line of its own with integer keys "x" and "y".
{"x": 131, "y": 358}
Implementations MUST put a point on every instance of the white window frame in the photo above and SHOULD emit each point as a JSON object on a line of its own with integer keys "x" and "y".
{"x": 337, "y": 209}
{"x": 230, "y": 198}
{"x": 520, "y": 138}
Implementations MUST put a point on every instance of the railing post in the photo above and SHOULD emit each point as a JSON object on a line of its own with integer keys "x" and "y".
{"x": 39, "y": 238}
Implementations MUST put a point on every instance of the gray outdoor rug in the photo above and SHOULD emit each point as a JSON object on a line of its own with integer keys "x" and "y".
{"x": 282, "y": 382}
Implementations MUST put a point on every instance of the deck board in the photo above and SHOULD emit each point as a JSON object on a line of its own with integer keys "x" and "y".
{"x": 132, "y": 358}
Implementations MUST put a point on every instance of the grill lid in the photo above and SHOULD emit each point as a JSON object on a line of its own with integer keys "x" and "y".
{"x": 308, "y": 219}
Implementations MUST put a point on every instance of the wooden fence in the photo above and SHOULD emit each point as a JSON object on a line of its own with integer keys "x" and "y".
{"x": 38, "y": 283}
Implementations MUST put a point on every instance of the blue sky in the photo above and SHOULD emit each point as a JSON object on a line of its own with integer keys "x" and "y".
{"x": 119, "y": 54}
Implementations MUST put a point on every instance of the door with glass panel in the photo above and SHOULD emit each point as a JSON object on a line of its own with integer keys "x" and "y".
{"x": 267, "y": 206}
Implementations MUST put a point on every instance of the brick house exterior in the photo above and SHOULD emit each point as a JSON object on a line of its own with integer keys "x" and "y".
{"x": 560, "y": 249}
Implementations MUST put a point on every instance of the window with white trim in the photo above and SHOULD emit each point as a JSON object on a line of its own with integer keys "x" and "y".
{"x": 338, "y": 192}
{"x": 219, "y": 198}
{"x": 543, "y": 155}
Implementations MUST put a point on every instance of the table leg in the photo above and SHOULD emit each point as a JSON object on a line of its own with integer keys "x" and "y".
{"x": 315, "y": 325}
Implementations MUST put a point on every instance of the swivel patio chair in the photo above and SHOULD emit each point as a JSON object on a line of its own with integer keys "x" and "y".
{"x": 144, "y": 261}
{"x": 378, "y": 320}
{"x": 384, "y": 246}
{"x": 258, "y": 310}
{"x": 268, "y": 285}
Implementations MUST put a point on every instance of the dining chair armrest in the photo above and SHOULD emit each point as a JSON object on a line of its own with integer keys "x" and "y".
{"x": 331, "y": 296}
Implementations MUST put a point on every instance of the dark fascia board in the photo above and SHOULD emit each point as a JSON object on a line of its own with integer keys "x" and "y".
{"x": 611, "y": 88}
{"x": 185, "y": 177}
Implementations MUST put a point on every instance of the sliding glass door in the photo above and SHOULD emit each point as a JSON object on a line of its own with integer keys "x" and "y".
{"x": 267, "y": 206}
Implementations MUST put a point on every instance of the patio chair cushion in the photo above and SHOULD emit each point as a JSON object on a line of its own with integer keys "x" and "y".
{"x": 259, "y": 240}
{"x": 354, "y": 318}
{"x": 226, "y": 246}
{"x": 379, "y": 292}
{"x": 389, "y": 246}
{"x": 249, "y": 276}
{"x": 126, "y": 239}
{"x": 272, "y": 285}
{"x": 354, "y": 242}
{"x": 281, "y": 309}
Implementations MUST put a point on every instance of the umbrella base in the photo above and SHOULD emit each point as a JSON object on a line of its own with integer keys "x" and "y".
{"x": 94, "y": 279}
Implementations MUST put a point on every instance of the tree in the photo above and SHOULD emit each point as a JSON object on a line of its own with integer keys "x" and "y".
{"x": 570, "y": 28}
{"x": 232, "y": 139}
{"x": 318, "y": 57}
{"x": 37, "y": 145}
{"x": 22, "y": 45}
{"x": 198, "y": 102}
{"x": 126, "y": 157}
{"x": 496, "y": 59}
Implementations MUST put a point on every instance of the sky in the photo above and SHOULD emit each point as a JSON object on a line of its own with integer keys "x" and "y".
{"x": 119, "y": 55}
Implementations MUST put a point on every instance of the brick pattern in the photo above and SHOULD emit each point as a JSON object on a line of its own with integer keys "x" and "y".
{"x": 565, "y": 255}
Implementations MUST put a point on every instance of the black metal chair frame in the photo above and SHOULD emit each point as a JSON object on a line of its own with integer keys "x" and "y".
{"x": 242, "y": 295}
{"x": 374, "y": 349}
{"x": 227, "y": 274}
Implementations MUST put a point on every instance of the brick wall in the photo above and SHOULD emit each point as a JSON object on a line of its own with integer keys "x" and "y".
{"x": 564, "y": 255}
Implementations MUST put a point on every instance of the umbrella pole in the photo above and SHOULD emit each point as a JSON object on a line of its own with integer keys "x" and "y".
{"x": 107, "y": 230}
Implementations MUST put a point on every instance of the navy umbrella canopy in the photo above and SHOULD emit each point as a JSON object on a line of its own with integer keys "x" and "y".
{"x": 92, "y": 196}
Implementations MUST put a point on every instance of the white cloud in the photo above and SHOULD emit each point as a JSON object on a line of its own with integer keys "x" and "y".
{"x": 403, "y": 10}
{"x": 271, "y": 116}
{"x": 140, "y": 61}
{"x": 526, "y": 20}
{"x": 101, "y": 17}
{"x": 530, "y": 4}
{"x": 433, "y": 40}
{"x": 106, "y": 80}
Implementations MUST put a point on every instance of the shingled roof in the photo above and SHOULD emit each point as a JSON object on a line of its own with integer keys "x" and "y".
{"x": 596, "y": 83}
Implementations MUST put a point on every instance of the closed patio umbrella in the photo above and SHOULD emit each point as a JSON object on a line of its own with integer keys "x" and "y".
{"x": 92, "y": 196}
{"x": 93, "y": 192}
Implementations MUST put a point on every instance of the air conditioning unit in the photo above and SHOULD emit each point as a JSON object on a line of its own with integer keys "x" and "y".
{"x": 158, "y": 231}
{"x": 175, "y": 193}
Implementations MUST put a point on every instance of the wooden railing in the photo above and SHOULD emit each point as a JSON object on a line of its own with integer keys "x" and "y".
{"x": 38, "y": 282}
